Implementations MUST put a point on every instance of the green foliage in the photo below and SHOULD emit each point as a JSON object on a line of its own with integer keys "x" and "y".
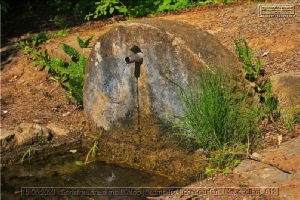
{"x": 95, "y": 140}
{"x": 64, "y": 9}
{"x": 105, "y": 7}
{"x": 222, "y": 160}
{"x": 297, "y": 114}
{"x": 31, "y": 44}
{"x": 210, "y": 171}
{"x": 28, "y": 153}
{"x": 263, "y": 89}
{"x": 62, "y": 21}
{"x": 39, "y": 39}
{"x": 78, "y": 162}
{"x": 71, "y": 51}
{"x": 4, "y": 6}
{"x": 92, "y": 151}
{"x": 246, "y": 56}
{"x": 290, "y": 122}
{"x": 172, "y": 5}
{"x": 82, "y": 43}
{"x": 214, "y": 114}
{"x": 270, "y": 102}
{"x": 142, "y": 8}
{"x": 60, "y": 33}
{"x": 69, "y": 74}
{"x": 218, "y": 116}
{"x": 76, "y": 78}
{"x": 292, "y": 116}
{"x": 57, "y": 66}
{"x": 76, "y": 69}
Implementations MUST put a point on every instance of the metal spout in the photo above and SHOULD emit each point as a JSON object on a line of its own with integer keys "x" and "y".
{"x": 134, "y": 58}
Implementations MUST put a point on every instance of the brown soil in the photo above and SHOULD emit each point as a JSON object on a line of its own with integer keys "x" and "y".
{"x": 29, "y": 95}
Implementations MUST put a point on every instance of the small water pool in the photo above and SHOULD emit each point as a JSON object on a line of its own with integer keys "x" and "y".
{"x": 62, "y": 178}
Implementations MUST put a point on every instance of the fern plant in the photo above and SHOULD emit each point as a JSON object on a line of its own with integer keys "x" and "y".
{"x": 82, "y": 43}
{"x": 246, "y": 57}
{"x": 75, "y": 69}
{"x": 69, "y": 74}
{"x": 261, "y": 88}
{"x": 31, "y": 45}
{"x": 76, "y": 78}
{"x": 71, "y": 51}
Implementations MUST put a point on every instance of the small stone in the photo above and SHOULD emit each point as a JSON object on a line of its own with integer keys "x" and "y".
{"x": 265, "y": 53}
{"x": 66, "y": 114}
{"x": 200, "y": 150}
{"x": 73, "y": 151}
{"x": 271, "y": 136}
{"x": 256, "y": 156}
{"x": 279, "y": 139}
{"x": 56, "y": 130}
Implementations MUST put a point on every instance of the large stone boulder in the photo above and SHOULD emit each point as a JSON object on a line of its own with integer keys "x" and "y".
{"x": 286, "y": 87}
{"x": 144, "y": 92}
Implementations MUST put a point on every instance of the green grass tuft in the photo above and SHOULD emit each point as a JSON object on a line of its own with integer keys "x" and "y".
{"x": 219, "y": 117}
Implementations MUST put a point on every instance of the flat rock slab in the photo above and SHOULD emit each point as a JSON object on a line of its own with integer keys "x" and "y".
{"x": 275, "y": 167}
{"x": 58, "y": 131}
{"x": 29, "y": 134}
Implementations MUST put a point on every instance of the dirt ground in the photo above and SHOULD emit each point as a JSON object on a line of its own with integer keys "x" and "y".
{"x": 29, "y": 95}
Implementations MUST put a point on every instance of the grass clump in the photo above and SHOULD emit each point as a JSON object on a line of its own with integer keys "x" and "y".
{"x": 291, "y": 118}
{"x": 92, "y": 152}
{"x": 94, "y": 149}
{"x": 28, "y": 153}
{"x": 219, "y": 117}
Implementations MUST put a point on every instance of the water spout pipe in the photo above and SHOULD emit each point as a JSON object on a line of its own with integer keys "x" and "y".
{"x": 134, "y": 58}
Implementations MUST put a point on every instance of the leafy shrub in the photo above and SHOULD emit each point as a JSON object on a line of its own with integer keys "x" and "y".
{"x": 263, "y": 89}
{"x": 142, "y": 8}
{"x": 34, "y": 40}
{"x": 107, "y": 6}
{"x": 69, "y": 74}
{"x": 4, "y": 6}
{"x": 172, "y": 5}
{"x": 269, "y": 101}
{"x": 82, "y": 43}
{"x": 218, "y": 116}
{"x": 246, "y": 56}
